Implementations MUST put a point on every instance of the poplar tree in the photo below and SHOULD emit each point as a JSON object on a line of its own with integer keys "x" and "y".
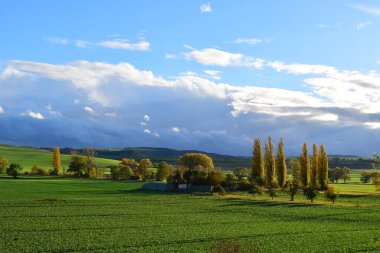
{"x": 270, "y": 166}
{"x": 305, "y": 166}
{"x": 323, "y": 168}
{"x": 56, "y": 161}
{"x": 281, "y": 164}
{"x": 257, "y": 161}
{"x": 315, "y": 167}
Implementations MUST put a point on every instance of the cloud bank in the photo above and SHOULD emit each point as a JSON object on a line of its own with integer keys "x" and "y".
{"x": 117, "y": 105}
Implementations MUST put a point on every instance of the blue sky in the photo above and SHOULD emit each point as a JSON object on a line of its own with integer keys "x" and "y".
{"x": 207, "y": 75}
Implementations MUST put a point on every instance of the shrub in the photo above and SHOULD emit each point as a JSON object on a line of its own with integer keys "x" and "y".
{"x": 331, "y": 194}
{"x": 36, "y": 170}
{"x": 244, "y": 185}
{"x": 256, "y": 190}
{"x": 218, "y": 189}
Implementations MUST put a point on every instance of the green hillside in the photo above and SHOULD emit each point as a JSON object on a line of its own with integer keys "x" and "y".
{"x": 28, "y": 157}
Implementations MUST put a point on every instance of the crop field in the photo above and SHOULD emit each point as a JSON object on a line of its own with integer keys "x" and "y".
{"x": 40, "y": 214}
{"x": 28, "y": 157}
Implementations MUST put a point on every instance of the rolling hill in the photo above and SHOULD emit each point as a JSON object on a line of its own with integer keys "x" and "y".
{"x": 27, "y": 157}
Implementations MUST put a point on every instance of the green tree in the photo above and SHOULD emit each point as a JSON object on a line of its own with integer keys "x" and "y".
{"x": 164, "y": 170}
{"x": 241, "y": 172}
{"x": 315, "y": 167}
{"x": 365, "y": 176}
{"x": 192, "y": 160}
{"x": 270, "y": 165}
{"x": 305, "y": 166}
{"x": 346, "y": 174}
{"x": 272, "y": 192}
{"x": 56, "y": 161}
{"x": 14, "y": 170}
{"x": 78, "y": 165}
{"x": 331, "y": 194}
{"x": 336, "y": 174}
{"x": 258, "y": 162}
{"x": 324, "y": 168}
{"x": 3, "y": 164}
{"x": 281, "y": 164}
{"x": 310, "y": 192}
{"x": 292, "y": 188}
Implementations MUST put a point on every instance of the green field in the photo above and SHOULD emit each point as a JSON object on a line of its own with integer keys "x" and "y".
{"x": 50, "y": 214}
{"x": 28, "y": 157}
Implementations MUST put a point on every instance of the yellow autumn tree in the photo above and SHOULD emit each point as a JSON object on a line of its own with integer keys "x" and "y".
{"x": 56, "y": 161}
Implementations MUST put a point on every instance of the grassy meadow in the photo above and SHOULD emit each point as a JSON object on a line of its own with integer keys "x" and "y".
{"x": 28, "y": 157}
{"x": 52, "y": 214}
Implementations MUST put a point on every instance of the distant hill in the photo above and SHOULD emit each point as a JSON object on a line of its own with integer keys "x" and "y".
{"x": 27, "y": 157}
{"x": 166, "y": 154}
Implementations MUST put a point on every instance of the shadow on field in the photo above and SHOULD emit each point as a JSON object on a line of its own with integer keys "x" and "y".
{"x": 265, "y": 203}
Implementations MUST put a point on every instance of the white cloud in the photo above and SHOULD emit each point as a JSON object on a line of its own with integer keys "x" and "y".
{"x": 143, "y": 123}
{"x": 125, "y": 44}
{"x": 301, "y": 69}
{"x": 378, "y": 62}
{"x": 206, "y": 7}
{"x": 111, "y": 114}
{"x": 146, "y": 118}
{"x": 81, "y": 44}
{"x": 367, "y": 9}
{"x": 216, "y": 57}
{"x": 328, "y": 117}
{"x": 170, "y": 56}
{"x": 251, "y": 41}
{"x": 1, "y": 110}
{"x": 76, "y": 101}
{"x": 363, "y": 25}
{"x": 147, "y": 131}
{"x": 156, "y": 134}
{"x": 372, "y": 125}
{"x": 214, "y": 74}
{"x": 53, "y": 112}
{"x": 89, "y": 110}
{"x": 189, "y": 73}
{"x": 34, "y": 115}
{"x": 57, "y": 40}
{"x": 176, "y": 129}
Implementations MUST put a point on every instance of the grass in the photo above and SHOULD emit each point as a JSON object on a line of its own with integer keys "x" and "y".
{"x": 28, "y": 157}
{"x": 40, "y": 214}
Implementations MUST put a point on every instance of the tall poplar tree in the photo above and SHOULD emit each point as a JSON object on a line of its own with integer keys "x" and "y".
{"x": 323, "y": 168}
{"x": 281, "y": 164}
{"x": 305, "y": 166}
{"x": 270, "y": 166}
{"x": 315, "y": 167}
{"x": 258, "y": 161}
{"x": 56, "y": 161}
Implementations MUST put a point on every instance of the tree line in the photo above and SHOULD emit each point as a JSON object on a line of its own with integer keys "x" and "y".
{"x": 270, "y": 170}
